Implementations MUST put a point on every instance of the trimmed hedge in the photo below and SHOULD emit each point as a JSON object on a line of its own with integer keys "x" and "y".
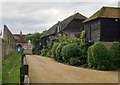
{"x": 115, "y": 53}
{"x": 53, "y": 49}
{"x": 70, "y": 51}
{"x": 99, "y": 57}
{"x": 75, "y": 61}
{"x": 58, "y": 51}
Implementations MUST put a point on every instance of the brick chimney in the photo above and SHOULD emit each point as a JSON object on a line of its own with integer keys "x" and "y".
{"x": 20, "y": 32}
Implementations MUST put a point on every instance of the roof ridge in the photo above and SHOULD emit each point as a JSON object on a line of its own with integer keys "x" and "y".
{"x": 73, "y": 16}
{"x": 104, "y": 12}
{"x": 111, "y": 7}
{"x": 101, "y": 11}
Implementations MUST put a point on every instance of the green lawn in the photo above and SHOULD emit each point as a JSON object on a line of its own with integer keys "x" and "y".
{"x": 11, "y": 68}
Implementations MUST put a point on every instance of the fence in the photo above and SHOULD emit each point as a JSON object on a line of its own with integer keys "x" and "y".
{"x": 24, "y": 78}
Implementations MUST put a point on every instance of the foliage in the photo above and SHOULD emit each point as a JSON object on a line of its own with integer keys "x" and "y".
{"x": 99, "y": 57}
{"x": 70, "y": 51}
{"x": 49, "y": 44}
{"x": 44, "y": 52}
{"x": 43, "y": 33}
{"x": 36, "y": 50}
{"x": 75, "y": 61}
{"x": 84, "y": 47}
{"x": 63, "y": 38}
{"x": 49, "y": 53}
{"x": 58, "y": 51}
{"x": 115, "y": 53}
{"x": 36, "y": 41}
{"x": 54, "y": 48}
{"x": 16, "y": 38}
{"x": 29, "y": 37}
{"x": 11, "y": 68}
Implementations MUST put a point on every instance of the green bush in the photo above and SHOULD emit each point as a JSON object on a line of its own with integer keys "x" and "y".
{"x": 44, "y": 52}
{"x": 36, "y": 51}
{"x": 58, "y": 51}
{"x": 115, "y": 53}
{"x": 70, "y": 51}
{"x": 53, "y": 49}
{"x": 75, "y": 61}
{"x": 99, "y": 57}
{"x": 49, "y": 53}
{"x": 84, "y": 47}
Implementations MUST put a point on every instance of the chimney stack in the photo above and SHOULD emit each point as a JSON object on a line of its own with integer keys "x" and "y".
{"x": 20, "y": 32}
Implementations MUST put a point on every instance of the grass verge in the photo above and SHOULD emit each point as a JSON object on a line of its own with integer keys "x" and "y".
{"x": 0, "y": 71}
{"x": 11, "y": 68}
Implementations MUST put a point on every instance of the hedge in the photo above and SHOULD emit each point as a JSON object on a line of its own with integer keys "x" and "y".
{"x": 75, "y": 61}
{"x": 115, "y": 53}
{"x": 70, "y": 51}
{"x": 58, "y": 51}
{"x": 99, "y": 57}
{"x": 53, "y": 49}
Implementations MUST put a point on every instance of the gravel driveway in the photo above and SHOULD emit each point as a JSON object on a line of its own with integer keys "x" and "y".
{"x": 46, "y": 70}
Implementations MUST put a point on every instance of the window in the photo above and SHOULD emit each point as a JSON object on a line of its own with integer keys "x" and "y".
{"x": 24, "y": 47}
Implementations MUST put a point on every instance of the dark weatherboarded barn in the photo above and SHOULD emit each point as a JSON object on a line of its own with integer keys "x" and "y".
{"x": 71, "y": 26}
{"x": 104, "y": 25}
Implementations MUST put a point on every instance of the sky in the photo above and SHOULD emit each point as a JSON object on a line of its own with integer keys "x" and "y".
{"x": 30, "y": 17}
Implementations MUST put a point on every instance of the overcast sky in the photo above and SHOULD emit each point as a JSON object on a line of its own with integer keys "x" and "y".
{"x": 30, "y": 17}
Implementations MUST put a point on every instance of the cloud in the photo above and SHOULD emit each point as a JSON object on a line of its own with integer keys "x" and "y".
{"x": 38, "y": 16}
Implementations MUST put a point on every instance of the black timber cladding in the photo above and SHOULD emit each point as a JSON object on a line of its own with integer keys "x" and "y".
{"x": 110, "y": 29}
{"x": 104, "y": 25}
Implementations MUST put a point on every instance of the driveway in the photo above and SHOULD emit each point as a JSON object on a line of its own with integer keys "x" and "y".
{"x": 46, "y": 70}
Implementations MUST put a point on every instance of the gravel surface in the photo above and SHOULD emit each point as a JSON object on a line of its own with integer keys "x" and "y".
{"x": 46, "y": 70}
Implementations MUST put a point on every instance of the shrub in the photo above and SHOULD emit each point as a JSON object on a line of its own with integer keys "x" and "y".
{"x": 44, "y": 52}
{"x": 53, "y": 50}
{"x": 70, "y": 51}
{"x": 58, "y": 51}
{"x": 84, "y": 47}
{"x": 36, "y": 51}
{"x": 99, "y": 57}
{"x": 115, "y": 53}
{"x": 49, "y": 53}
{"x": 75, "y": 61}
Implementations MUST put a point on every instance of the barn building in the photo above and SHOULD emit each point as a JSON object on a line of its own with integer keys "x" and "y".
{"x": 104, "y": 25}
{"x": 71, "y": 26}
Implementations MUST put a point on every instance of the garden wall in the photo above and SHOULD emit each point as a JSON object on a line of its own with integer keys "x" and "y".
{"x": 7, "y": 43}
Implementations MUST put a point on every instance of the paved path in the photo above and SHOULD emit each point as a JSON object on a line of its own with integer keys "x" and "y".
{"x": 46, "y": 70}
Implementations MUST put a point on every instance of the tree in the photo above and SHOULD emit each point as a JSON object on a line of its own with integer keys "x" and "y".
{"x": 36, "y": 41}
{"x": 29, "y": 37}
{"x": 16, "y": 38}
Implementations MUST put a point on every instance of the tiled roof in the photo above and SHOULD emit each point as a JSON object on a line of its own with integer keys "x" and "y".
{"x": 64, "y": 23}
{"x": 105, "y": 12}
{"x": 21, "y": 38}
